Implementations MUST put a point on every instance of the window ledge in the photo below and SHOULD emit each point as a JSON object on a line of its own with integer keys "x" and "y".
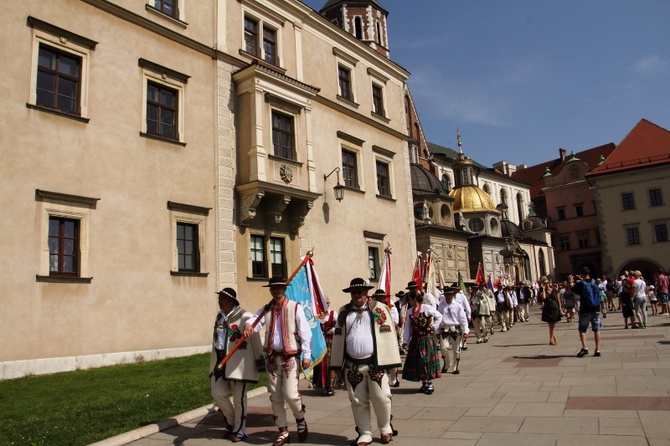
{"x": 355, "y": 189}
{"x": 381, "y": 117}
{"x": 62, "y": 279}
{"x": 263, "y": 62}
{"x": 162, "y": 138}
{"x": 386, "y": 197}
{"x": 347, "y": 101}
{"x": 188, "y": 274}
{"x": 167, "y": 17}
{"x": 257, "y": 279}
{"x": 281, "y": 159}
{"x": 57, "y": 112}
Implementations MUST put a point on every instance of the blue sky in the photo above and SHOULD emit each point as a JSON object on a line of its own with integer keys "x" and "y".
{"x": 522, "y": 78}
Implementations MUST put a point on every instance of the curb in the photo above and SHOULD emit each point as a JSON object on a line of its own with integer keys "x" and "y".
{"x": 151, "y": 429}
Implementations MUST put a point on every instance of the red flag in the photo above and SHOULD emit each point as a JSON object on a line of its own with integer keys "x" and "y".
{"x": 416, "y": 275}
{"x": 480, "y": 275}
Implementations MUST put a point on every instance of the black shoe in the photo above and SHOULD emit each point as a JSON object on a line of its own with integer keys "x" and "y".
{"x": 583, "y": 352}
{"x": 596, "y": 353}
{"x": 330, "y": 392}
{"x": 456, "y": 372}
{"x": 302, "y": 429}
{"x": 444, "y": 370}
{"x": 396, "y": 383}
{"x": 429, "y": 389}
{"x": 422, "y": 389}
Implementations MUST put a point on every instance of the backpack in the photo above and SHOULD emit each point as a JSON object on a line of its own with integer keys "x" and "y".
{"x": 592, "y": 293}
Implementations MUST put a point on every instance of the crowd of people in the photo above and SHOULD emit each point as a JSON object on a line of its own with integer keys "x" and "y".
{"x": 367, "y": 338}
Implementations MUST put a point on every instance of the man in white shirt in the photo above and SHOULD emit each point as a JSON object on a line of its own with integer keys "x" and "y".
{"x": 453, "y": 329}
{"x": 463, "y": 301}
{"x": 365, "y": 347}
{"x": 287, "y": 337}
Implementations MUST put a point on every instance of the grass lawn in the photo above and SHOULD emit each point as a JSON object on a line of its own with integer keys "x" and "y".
{"x": 82, "y": 407}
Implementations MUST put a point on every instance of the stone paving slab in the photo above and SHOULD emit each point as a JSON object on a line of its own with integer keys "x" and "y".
{"x": 515, "y": 389}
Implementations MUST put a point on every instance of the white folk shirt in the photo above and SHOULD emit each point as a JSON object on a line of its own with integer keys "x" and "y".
{"x": 359, "y": 340}
{"x": 461, "y": 299}
{"x": 222, "y": 330}
{"x": 429, "y": 299}
{"x": 301, "y": 324}
{"x": 453, "y": 314}
{"x": 513, "y": 301}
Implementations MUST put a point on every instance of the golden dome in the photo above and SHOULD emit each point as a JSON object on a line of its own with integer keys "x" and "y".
{"x": 472, "y": 199}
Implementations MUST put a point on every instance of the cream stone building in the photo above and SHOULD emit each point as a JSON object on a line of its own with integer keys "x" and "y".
{"x": 156, "y": 151}
{"x": 631, "y": 190}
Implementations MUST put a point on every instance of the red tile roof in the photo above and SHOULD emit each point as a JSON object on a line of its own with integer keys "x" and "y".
{"x": 533, "y": 175}
{"x": 646, "y": 145}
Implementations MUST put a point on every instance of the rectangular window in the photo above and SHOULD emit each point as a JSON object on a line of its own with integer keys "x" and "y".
{"x": 277, "y": 257}
{"x": 282, "y": 135}
{"x": 258, "y": 268}
{"x": 655, "y": 198}
{"x": 251, "y": 36}
{"x": 627, "y": 201}
{"x": 383, "y": 180}
{"x": 344, "y": 76}
{"x": 583, "y": 239}
{"x": 168, "y": 7}
{"x": 188, "y": 251}
{"x": 349, "y": 169}
{"x": 270, "y": 45}
{"x": 58, "y": 80}
{"x": 632, "y": 236}
{"x": 564, "y": 242}
{"x": 661, "y": 232}
{"x": 579, "y": 210}
{"x": 561, "y": 213}
{"x": 63, "y": 247}
{"x": 162, "y": 111}
{"x": 378, "y": 100}
{"x": 373, "y": 262}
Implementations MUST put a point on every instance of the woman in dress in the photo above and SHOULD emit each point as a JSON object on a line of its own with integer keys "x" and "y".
{"x": 423, "y": 354}
{"x": 551, "y": 308}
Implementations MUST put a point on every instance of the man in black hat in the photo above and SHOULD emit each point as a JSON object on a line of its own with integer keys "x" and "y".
{"x": 240, "y": 369}
{"x": 365, "y": 347}
{"x": 287, "y": 336}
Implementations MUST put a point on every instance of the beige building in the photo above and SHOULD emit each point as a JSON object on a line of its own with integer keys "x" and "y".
{"x": 632, "y": 187}
{"x": 162, "y": 150}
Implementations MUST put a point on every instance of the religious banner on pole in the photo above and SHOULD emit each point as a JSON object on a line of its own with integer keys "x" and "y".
{"x": 385, "y": 274}
{"x": 416, "y": 274}
{"x": 306, "y": 290}
{"x": 479, "y": 278}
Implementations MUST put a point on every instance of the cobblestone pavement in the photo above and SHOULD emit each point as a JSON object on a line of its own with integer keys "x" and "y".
{"x": 515, "y": 389}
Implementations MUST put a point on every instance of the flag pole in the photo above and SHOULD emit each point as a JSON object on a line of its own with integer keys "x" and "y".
{"x": 267, "y": 307}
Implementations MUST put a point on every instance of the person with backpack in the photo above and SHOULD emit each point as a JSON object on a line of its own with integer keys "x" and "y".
{"x": 589, "y": 309}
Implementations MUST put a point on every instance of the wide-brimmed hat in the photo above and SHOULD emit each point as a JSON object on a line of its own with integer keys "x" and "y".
{"x": 380, "y": 293}
{"x": 276, "y": 281}
{"x": 450, "y": 290}
{"x": 411, "y": 285}
{"x": 230, "y": 293}
{"x": 357, "y": 284}
{"x": 400, "y": 294}
{"x": 481, "y": 284}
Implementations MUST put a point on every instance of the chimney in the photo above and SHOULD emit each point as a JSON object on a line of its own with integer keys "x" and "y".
{"x": 562, "y": 152}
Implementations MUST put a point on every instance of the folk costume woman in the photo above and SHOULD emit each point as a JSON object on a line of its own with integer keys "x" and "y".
{"x": 423, "y": 354}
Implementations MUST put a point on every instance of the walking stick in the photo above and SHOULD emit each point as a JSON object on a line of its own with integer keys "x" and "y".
{"x": 266, "y": 308}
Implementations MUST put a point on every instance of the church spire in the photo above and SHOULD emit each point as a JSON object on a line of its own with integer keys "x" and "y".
{"x": 364, "y": 19}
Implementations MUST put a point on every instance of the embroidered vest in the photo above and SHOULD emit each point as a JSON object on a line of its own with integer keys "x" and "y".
{"x": 289, "y": 334}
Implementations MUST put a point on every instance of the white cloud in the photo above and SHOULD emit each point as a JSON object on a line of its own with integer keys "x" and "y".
{"x": 651, "y": 65}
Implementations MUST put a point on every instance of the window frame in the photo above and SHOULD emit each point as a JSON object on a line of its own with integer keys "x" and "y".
{"x": 61, "y": 238}
{"x": 633, "y": 231}
{"x": 378, "y": 100}
{"x": 579, "y": 210}
{"x": 388, "y": 192}
{"x": 267, "y": 251}
{"x": 655, "y": 197}
{"x": 565, "y": 242}
{"x": 182, "y": 254}
{"x": 168, "y": 79}
{"x": 374, "y": 265}
{"x": 175, "y": 8}
{"x": 656, "y": 227}
{"x": 583, "y": 239}
{"x": 346, "y": 178}
{"x": 627, "y": 201}
{"x": 71, "y": 207}
{"x": 190, "y": 215}
{"x": 65, "y": 42}
{"x": 560, "y": 213}
{"x": 348, "y": 82}
{"x": 262, "y": 25}
{"x": 293, "y": 137}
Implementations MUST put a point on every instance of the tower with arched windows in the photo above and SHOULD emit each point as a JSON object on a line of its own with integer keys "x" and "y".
{"x": 363, "y": 19}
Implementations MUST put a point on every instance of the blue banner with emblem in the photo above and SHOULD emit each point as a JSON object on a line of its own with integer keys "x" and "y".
{"x": 300, "y": 290}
